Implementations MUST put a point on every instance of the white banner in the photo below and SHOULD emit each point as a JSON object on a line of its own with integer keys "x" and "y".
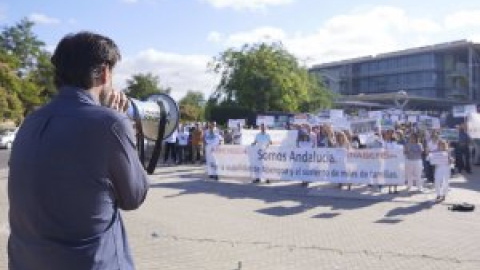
{"x": 279, "y": 137}
{"x": 357, "y": 166}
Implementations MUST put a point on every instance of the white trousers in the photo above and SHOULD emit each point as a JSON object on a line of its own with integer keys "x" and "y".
{"x": 442, "y": 174}
{"x": 413, "y": 172}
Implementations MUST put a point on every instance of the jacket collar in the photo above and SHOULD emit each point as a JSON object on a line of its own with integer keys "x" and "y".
{"x": 77, "y": 93}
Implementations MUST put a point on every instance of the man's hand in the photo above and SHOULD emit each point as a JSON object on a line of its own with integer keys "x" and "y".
{"x": 116, "y": 100}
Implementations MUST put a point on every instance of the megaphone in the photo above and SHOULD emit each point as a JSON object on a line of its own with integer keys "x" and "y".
{"x": 155, "y": 119}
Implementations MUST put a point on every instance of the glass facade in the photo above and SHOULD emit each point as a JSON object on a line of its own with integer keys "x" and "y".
{"x": 423, "y": 72}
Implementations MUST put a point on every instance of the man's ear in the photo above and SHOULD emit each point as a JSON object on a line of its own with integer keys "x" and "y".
{"x": 105, "y": 74}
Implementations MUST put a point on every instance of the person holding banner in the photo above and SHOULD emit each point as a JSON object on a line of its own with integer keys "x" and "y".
{"x": 413, "y": 164}
{"x": 441, "y": 160}
{"x": 263, "y": 140}
{"x": 212, "y": 138}
{"x": 325, "y": 137}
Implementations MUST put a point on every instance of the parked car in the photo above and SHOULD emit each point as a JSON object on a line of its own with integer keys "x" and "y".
{"x": 7, "y": 137}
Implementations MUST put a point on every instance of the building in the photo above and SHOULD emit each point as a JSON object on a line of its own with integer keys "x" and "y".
{"x": 433, "y": 77}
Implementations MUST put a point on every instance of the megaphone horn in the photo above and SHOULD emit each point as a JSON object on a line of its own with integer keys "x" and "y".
{"x": 155, "y": 119}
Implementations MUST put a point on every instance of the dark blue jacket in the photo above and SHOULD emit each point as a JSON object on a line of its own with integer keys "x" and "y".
{"x": 73, "y": 166}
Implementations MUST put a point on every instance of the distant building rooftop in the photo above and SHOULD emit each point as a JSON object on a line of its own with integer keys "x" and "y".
{"x": 430, "y": 48}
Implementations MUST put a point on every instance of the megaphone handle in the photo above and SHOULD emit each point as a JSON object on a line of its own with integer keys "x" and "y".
{"x": 158, "y": 143}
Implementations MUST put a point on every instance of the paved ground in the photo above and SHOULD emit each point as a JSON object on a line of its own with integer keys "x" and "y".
{"x": 189, "y": 223}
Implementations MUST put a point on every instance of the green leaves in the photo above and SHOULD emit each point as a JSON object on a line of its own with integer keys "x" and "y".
{"x": 26, "y": 74}
{"x": 266, "y": 77}
{"x": 192, "y": 106}
{"x": 143, "y": 85}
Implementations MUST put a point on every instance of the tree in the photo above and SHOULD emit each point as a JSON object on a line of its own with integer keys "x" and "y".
{"x": 143, "y": 85}
{"x": 20, "y": 41}
{"x": 192, "y": 106}
{"x": 266, "y": 77}
{"x": 10, "y": 86}
{"x": 24, "y": 54}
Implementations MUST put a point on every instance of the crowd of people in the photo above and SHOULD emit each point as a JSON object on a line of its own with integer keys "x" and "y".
{"x": 423, "y": 149}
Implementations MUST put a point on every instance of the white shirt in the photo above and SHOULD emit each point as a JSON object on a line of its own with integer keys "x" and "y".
{"x": 212, "y": 138}
{"x": 183, "y": 138}
{"x": 237, "y": 136}
{"x": 172, "y": 138}
{"x": 263, "y": 139}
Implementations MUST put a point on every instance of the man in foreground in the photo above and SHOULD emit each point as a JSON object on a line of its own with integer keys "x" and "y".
{"x": 73, "y": 166}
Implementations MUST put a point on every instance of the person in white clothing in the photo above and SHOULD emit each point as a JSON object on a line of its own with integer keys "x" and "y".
{"x": 413, "y": 162}
{"x": 183, "y": 136}
{"x": 171, "y": 147}
{"x": 263, "y": 140}
{"x": 441, "y": 159}
{"x": 212, "y": 138}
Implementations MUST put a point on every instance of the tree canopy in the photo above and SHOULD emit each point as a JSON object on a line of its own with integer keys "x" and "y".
{"x": 143, "y": 85}
{"x": 266, "y": 77}
{"x": 26, "y": 79}
{"x": 192, "y": 106}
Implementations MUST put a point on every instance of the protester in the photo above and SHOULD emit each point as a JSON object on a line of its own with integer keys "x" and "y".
{"x": 441, "y": 160}
{"x": 263, "y": 140}
{"x": 182, "y": 150}
{"x": 431, "y": 142}
{"x": 197, "y": 143}
{"x": 74, "y": 166}
{"x": 462, "y": 150}
{"x": 212, "y": 138}
{"x": 413, "y": 163}
{"x": 343, "y": 142}
{"x": 171, "y": 148}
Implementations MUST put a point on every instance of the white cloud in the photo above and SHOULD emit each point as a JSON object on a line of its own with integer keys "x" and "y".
{"x": 130, "y": 1}
{"x": 247, "y": 4}
{"x": 180, "y": 72}
{"x": 361, "y": 33}
{"x": 262, "y": 34}
{"x": 214, "y": 37}
{"x": 40, "y": 18}
{"x": 461, "y": 19}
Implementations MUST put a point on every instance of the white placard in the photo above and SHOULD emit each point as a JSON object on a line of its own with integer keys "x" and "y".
{"x": 336, "y": 114}
{"x": 267, "y": 120}
{"x": 412, "y": 118}
{"x": 375, "y": 114}
{"x": 473, "y": 125}
{"x": 364, "y": 126}
{"x": 463, "y": 110}
{"x": 233, "y": 123}
{"x": 337, "y": 165}
{"x": 438, "y": 158}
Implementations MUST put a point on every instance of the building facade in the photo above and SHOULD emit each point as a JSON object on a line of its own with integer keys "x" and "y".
{"x": 449, "y": 72}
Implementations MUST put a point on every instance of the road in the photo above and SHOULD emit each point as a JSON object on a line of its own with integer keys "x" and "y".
{"x": 188, "y": 222}
{"x": 4, "y": 156}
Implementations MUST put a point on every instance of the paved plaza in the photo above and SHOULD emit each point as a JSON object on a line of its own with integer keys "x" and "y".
{"x": 188, "y": 222}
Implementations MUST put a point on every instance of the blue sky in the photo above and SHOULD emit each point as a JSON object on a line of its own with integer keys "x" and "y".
{"x": 176, "y": 38}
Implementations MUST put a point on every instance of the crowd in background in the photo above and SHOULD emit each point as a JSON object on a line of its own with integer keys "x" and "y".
{"x": 187, "y": 146}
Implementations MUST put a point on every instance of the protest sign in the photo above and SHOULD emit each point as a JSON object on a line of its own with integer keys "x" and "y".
{"x": 337, "y": 165}
{"x": 473, "y": 125}
{"x": 267, "y": 120}
{"x": 463, "y": 110}
{"x": 233, "y": 123}
{"x": 363, "y": 126}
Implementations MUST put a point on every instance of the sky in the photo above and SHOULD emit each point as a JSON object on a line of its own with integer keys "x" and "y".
{"x": 175, "y": 39}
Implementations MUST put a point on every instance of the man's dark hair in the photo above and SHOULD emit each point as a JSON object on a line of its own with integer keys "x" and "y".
{"x": 79, "y": 58}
